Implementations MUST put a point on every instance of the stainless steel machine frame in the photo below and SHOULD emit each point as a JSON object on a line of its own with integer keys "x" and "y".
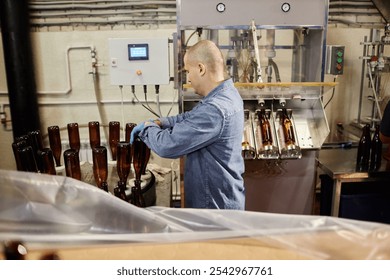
{"x": 372, "y": 96}
{"x": 231, "y": 25}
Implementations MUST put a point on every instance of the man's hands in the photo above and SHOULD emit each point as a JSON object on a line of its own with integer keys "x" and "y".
{"x": 136, "y": 130}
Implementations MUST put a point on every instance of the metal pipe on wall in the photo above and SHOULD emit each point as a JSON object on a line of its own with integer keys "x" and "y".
{"x": 19, "y": 68}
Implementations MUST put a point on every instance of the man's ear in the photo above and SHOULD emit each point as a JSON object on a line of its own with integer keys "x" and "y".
{"x": 202, "y": 69}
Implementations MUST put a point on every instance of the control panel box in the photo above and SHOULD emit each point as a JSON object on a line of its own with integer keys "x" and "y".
{"x": 335, "y": 60}
{"x": 139, "y": 61}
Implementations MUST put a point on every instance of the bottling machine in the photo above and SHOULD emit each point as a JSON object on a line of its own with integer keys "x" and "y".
{"x": 275, "y": 53}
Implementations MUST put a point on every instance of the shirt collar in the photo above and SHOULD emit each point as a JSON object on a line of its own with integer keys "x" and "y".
{"x": 224, "y": 84}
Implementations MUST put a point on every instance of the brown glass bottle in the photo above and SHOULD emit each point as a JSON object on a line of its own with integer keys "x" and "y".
{"x": 147, "y": 157}
{"x": 46, "y": 156}
{"x": 18, "y": 144}
{"x": 104, "y": 186}
{"x": 94, "y": 134}
{"x": 288, "y": 129}
{"x": 123, "y": 160}
{"x": 100, "y": 165}
{"x": 113, "y": 136}
{"x": 265, "y": 128}
{"x": 14, "y": 250}
{"x": 140, "y": 153}
{"x": 364, "y": 147}
{"x": 137, "y": 198}
{"x": 27, "y": 159}
{"x": 376, "y": 150}
{"x": 74, "y": 136}
{"x": 129, "y": 129}
{"x": 119, "y": 191}
{"x": 36, "y": 142}
{"x": 72, "y": 164}
{"x": 55, "y": 143}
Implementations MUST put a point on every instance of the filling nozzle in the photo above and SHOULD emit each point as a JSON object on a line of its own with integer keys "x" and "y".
{"x": 261, "y": 102}
{"x": 282, "y": 102}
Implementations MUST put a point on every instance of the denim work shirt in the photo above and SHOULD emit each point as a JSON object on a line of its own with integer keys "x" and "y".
{"x": 210, "y": 135}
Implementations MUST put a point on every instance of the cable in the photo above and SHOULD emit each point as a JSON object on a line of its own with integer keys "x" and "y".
{"x": 135, "y": 96}
{"x": 331, "y": 97}
{"x": 122, "y": 109}
{"x": 157, "y": 89}
{"x": 173, "y": 102}
{"x": 146, "y": 96}
{"x": 198, "y": 30}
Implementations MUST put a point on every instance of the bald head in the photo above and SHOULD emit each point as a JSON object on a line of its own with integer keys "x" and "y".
{"x": 209, "y": 54}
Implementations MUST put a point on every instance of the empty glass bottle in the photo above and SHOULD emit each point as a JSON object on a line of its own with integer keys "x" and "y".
{"x": 120, "y": 191}
{"x": 18, "y": 144}
{"x": 129, "y": 129}
{"x": 94, "y": 134}
{"x": 46, "y": 156}
{"x": 363, "y": 153}
{"x": 14, "y": 250}
{"x": 113, "y": 136}
{"x": 55, "y": 143}
{"x": 27, "y": 159}
{"x": 104, "y": 186}
{"x": 147, "y": 157}
{"x": 123, "y": 161}
{"x": 140, "y": 156}
{"x": 74, "y": 136}
{"x": 376, "y": 150}
{"x": 137, "y": 198}
{"x": 72, "y": 164}
{"x": 100, "y": 165}
{"x": 36, "y": 143}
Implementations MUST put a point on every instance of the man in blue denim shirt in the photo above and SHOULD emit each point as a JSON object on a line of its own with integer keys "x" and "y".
{"x": 209, "y": 135}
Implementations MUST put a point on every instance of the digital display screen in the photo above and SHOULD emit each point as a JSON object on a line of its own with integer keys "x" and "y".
{"x": 138, "y": 51}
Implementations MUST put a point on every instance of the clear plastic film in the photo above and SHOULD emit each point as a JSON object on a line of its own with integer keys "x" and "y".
{"x": 45, "y": 210}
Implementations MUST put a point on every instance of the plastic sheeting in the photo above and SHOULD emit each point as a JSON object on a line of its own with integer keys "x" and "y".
{"x": 44, "y": 210}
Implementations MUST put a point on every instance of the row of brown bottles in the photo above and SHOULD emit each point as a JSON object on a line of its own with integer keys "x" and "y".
{"x": 376, "y": 150}
{"x": 140, "y": 154}
{"x": 94, "y": 135}
{"x": 369, "y": 154}
{"x": 30, "y": 154}
{"x": 267, "y": 145}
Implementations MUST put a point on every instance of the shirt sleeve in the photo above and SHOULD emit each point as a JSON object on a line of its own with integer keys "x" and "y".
{"x": 189, "y": 132}
{"x": 169, "y": 122}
